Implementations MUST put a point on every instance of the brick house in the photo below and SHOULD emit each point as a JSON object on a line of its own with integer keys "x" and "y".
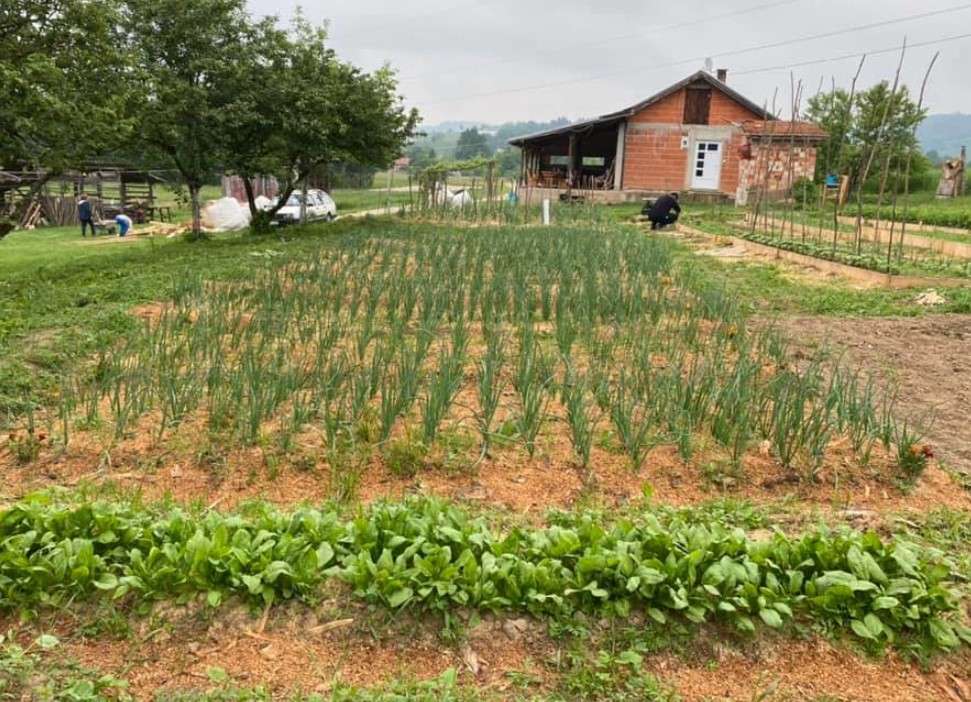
{"x": 698, "y": 136}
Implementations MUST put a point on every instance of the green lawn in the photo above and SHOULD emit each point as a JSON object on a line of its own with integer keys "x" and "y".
{"x": 349, "y": 201}
{"x": 399, "y": 179}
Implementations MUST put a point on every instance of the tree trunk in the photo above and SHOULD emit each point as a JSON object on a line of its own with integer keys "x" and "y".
{"x": 285, "y": 194}
{"x": 196, "y": 211}
{"x": 303, "y": 202}
{"x": 250, "y": 198}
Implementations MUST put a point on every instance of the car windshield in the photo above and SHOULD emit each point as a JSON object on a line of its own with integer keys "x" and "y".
{"x": 294, "y": 200}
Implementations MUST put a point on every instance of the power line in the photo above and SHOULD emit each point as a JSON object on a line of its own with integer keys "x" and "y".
{"x": 593, "y": 42}
{"x": 846, "y": 57}
{"x": 736, "y": 52}
{"x": 832, "y": 59}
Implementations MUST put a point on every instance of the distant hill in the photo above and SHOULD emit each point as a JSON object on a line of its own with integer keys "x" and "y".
{"x": 945, "y": 134}
{"x": 453, "y": 127}
{"x": 499, "y": 132}
{"x": 443, "y": 138}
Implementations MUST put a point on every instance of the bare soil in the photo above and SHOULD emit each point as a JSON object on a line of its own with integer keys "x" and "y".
{"x": 298, "y": 649}
{"x": 928, "y": 357}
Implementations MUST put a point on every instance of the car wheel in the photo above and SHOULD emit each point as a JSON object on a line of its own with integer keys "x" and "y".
{"x": 331, "y": 216}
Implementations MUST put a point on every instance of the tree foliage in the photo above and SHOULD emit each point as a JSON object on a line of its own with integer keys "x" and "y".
{"x": 198, "y": 86}
{"x": 472, "y": 143}
{"x": 421, "y": 156}
{"x": 62, "y": 72}
{"x": 300, "y": 109}
{"x": 186, "y": 56}
{"x": 855, "y": 131}
{"x": 510, "y": 161}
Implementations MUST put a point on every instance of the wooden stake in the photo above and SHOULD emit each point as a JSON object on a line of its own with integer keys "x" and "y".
{"x": 903, "y": 224}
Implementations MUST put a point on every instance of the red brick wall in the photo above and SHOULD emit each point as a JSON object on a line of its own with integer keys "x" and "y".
{"x": 724, "y": 111}
{"x": 654, "y": 159}
{"x": 730, "y": 164}
{"x": 670, "y": 110}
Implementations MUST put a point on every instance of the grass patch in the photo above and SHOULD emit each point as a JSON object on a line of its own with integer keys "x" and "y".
{"x": 766, "y": 289}
{"x": 349, "y": 201}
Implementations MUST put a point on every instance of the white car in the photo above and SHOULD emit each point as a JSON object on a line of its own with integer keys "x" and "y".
{"x": 320, "y": 206}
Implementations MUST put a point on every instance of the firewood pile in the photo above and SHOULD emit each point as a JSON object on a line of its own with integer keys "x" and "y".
{"x": 165, "y": 229}
{"x": 31, "y": 216}
{"x": 59, "y": 211}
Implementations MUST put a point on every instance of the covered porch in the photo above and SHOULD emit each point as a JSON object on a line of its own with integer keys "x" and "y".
{"x": 586, "y": 156}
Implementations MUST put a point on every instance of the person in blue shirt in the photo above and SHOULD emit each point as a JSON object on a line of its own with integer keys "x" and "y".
{"x": 124, "y": 224}
{"x": 85, "y": 214}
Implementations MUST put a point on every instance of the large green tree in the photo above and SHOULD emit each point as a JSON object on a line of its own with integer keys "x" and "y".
{"x": 63, "y": 78}
{"x": 472, "y": 144}
{"x": 187, "y": 56}
{"x": 300, "y": 109}
{"x": 880, "y": 123}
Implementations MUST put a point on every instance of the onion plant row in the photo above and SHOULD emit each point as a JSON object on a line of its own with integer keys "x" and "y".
{"x": 597, "y": 327}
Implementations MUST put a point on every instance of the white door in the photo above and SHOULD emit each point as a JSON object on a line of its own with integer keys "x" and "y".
{"x": 707, "y": 167}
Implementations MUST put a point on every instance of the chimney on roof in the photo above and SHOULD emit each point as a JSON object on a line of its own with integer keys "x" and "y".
{"x": 722, "y": 75}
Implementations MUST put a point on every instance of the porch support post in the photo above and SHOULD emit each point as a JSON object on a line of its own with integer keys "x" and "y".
{"x": 572, "y": 154}
{"x": 619, "y": 156}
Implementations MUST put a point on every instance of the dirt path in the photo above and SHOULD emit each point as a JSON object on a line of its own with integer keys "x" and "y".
{"x": 930, "y": 358}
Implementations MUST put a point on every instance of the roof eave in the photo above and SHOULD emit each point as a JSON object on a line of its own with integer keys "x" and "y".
{"x": 574, "y": 128}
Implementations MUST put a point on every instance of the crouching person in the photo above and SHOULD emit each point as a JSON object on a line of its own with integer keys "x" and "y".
{"x": 665, "y": 211}
{"x": 124, "y": 224}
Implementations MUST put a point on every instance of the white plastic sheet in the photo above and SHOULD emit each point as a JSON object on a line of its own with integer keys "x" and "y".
{"x": 225, "y": 215}
{"x": 462, "y": 198}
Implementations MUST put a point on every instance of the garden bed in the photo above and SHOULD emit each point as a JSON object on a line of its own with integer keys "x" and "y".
{"x": 333, "y": 458}
{"x": 864, "y": 268}
{"x": 945, "y": 247}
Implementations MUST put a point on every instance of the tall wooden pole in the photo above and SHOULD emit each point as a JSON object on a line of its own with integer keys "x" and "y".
{"x": 959, "y": 186}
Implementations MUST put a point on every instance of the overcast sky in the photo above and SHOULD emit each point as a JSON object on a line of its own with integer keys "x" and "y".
{"x": 509, "y": 60}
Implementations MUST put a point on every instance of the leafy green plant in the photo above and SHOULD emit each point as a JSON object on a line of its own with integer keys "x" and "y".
{"x": 912, "y": 456}
{"x": 23, "y": 675}
{"x": 425, "y": 553}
